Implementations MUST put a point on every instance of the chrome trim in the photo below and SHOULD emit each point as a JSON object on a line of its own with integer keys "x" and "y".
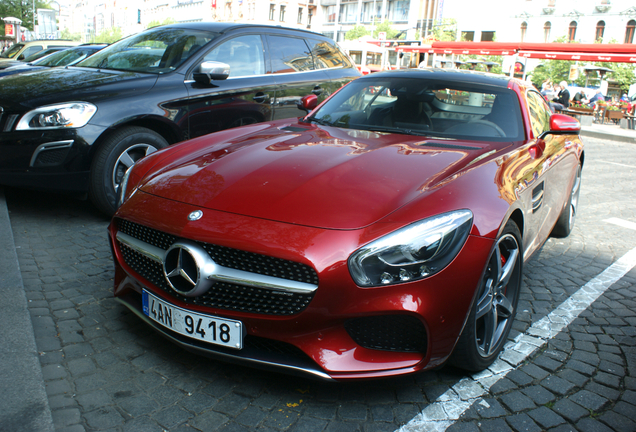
{"x": 212, "y": 271}
{"x": 150, "y": 251}
{"x": 49, "y": 146}
{"x": 191, "y": 80}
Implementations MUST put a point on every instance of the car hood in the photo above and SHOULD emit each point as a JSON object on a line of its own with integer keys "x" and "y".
{"x": 306, "y": 174}
{"x": 42, "y": 87}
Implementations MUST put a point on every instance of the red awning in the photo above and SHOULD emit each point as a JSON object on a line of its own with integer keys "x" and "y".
{"x": 599, "y": 57}
{"x": 623, "y": 53}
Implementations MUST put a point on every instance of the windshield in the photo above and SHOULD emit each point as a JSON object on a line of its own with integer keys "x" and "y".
{"x": 158, "y": 50}
{"x": 418, "y": 106}
{"x": 11, "y": 52}
{"x": 67, "y": 57}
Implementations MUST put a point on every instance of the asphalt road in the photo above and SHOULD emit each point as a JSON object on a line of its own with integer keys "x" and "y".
{"x": 103, "y": 369}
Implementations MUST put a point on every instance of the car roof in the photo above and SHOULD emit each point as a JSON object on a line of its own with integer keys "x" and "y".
{"x": 453, "y": 75}
{"x": 222, "y": 27}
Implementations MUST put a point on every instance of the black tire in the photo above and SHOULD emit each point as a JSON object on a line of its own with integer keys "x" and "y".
{"x": 495, "y": 305}
{"x": 565, "y": 223}
{"x": 118, "y": 152}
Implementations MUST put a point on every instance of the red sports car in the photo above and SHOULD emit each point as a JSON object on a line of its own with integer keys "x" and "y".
{"x": 383, "y": 233}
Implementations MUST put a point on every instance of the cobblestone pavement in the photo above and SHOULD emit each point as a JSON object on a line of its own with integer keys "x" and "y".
{"x": 105, "y": 370}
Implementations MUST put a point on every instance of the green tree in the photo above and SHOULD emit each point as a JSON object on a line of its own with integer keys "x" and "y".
{"x": 385, "y": 26}
{"x": 446, "y": 30}
{"x": 155, "y": 23}
{"x": 66, "y": 34}
{"x": 357, "y": 32}
{"x": 110, "y": 35}
{"x": 21, "y": 9}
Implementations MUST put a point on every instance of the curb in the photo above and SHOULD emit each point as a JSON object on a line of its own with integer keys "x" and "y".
{"x": 604, "y": 135}
{"x": 25, "y": 405}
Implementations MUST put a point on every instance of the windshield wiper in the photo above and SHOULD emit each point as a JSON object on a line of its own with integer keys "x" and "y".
{"x": 319, "y": 121}
{"x": 394, "y": 130}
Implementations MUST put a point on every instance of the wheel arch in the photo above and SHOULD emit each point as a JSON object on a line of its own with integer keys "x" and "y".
{"x": 517, "y": 217}
{"x": 168, "y": 130}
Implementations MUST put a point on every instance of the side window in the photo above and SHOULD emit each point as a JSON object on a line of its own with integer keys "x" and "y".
{"x": 539, "y": 113}
{"x": 326, "y": 55}
{"x": 244, "y": 54}
{"x": 30, "y": 51}
{"x": 289, "y": 55}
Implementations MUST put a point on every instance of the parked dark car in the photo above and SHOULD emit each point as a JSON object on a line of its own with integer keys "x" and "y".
{"x": 65, "y": 57}
{"x": 382, "y": 234}
{"x": 22, "y": 50}
{"x": 6, "y": 64}
{"x": 78, "y": 129}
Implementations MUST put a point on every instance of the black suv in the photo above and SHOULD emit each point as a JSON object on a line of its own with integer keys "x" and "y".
{"x": 77, "y": 129}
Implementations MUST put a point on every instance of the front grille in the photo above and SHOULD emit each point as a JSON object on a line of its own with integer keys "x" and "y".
{"x": 224, "y": 295}
{"x": 228, "y": 257}
{"x": 401, "y": 333}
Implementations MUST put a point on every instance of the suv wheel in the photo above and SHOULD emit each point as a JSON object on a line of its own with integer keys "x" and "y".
{"x": 117, "y": 153}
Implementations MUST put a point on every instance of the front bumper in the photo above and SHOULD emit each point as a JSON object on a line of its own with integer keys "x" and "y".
{"x": 344, "y": 332}
{"x": 56, "y": 159}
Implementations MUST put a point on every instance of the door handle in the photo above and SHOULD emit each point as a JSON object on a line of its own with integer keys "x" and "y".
{"x": 317, "y": 91}
{"x": 260, "y": 97}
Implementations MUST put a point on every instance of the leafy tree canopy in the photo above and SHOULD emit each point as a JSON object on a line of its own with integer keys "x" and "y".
{"x": 156, "y": 23}
{"x": 109, "y": 36}
{"x": 66, "y": 34}
{"x": 385, "y": 26}
{"x": 21, "y": 9}
{"x": 357, "y": 32}
{"x": 446, "y": 30}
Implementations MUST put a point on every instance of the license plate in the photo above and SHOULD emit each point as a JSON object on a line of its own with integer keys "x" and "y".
{"x": 206, "y": 328}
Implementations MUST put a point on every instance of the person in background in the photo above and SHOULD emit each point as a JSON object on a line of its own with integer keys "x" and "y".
{"x": 597, "y": 97}
{"x": 562, "y": 101}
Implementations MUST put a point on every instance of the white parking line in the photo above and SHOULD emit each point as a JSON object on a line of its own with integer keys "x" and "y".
{"x": 442, "y": 413}
{"x": 619, "y": 164}
{"x": 621, "y": 223}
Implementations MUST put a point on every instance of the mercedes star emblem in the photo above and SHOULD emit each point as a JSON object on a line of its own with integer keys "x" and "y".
{"x": 195, "y": 215}
{"x": 186, "y": 267}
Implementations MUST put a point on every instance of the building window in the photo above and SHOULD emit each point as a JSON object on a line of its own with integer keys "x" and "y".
{"x": 572, "y": 31}
{"x": 281, "y": 15}
{"x": 468, "y": 35}
{"x": 330, "y": 14}
{"x": 371, "y": 11}
{"x": 546, "y": 31}
{"x": 524, "y": 29}
{"x": 300, "y": 15}
{"x": 600, "y": 30}
{"x": 629, "y": 31}
{"x": 487, "y": 36}
{"x": 398, "y": 10}
{"x": 348, "y": 12}
{"x": 272, "y": 11}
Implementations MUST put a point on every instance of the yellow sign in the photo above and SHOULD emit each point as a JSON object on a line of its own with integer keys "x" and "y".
{"x": 574, "y": 73}
{"x": 9, "y": 30}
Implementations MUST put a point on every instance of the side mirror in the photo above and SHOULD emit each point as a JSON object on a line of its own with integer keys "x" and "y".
{"x": 211, "y": 71}
{"x": 308, "y": 103}
{"x": 561, "y": 124}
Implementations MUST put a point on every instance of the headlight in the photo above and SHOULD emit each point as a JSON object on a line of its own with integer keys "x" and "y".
{"x": 66, "y": 115}
{"x": 414, "y": 252}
